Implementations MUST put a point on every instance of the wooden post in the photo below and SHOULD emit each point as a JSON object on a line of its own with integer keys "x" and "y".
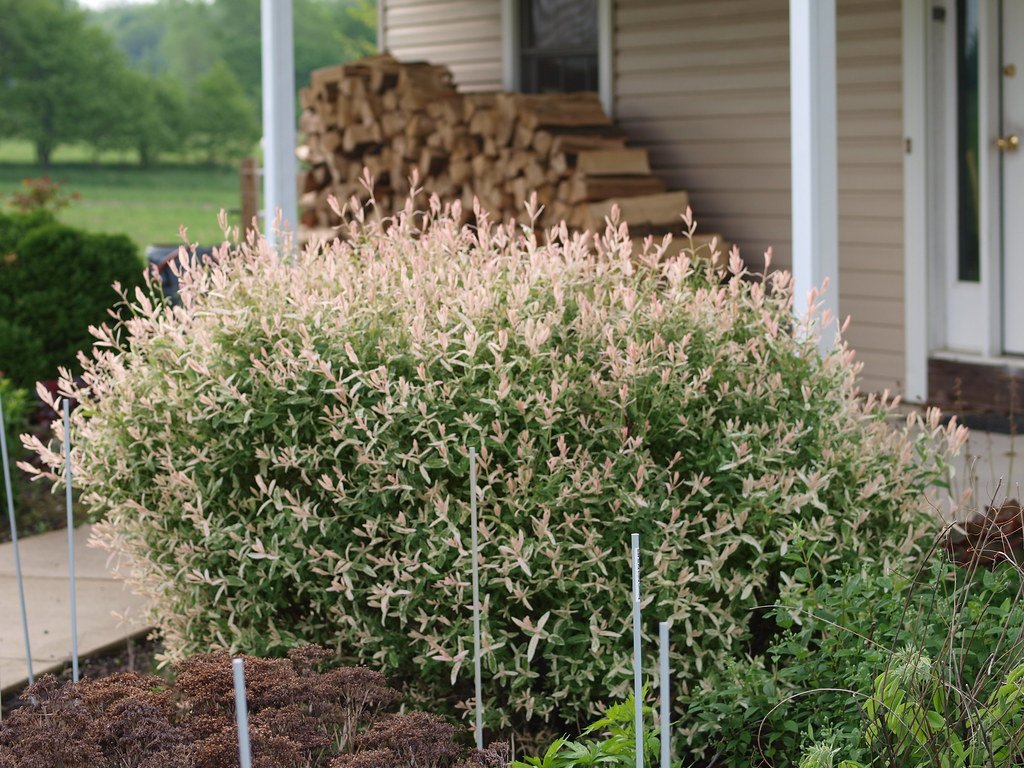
{"x": 249, "y": 181}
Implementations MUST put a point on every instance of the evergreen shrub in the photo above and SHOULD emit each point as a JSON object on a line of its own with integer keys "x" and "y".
{"x": 55, "y": 281}
{"x": 284, "y": 458}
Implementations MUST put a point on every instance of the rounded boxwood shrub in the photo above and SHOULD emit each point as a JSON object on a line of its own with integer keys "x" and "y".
{"x": 55, "y": 281}
{"x": 284, "y": 457}
{"x": 21, "y": 351}
{"x": 15, "y": 226}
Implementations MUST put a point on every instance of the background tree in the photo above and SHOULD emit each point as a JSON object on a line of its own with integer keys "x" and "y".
{"x": 186, "y": 39}
{"x": 164, "y": 123}
{"x": 56, "y": 75}
{"x": 223, "y": 124}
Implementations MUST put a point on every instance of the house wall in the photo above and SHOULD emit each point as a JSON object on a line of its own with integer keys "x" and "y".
{"x": 704, "y": 85}
{"x": 870, "y": 101}
{"x": 465, "y": 35}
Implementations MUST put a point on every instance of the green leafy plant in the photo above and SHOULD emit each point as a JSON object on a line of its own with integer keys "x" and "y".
{"x": 897, "y": 670}
{"x": 15, "y": 406}
{"x": 818, "y": 673}
{"x": 823, "y": 755}
{"x": 910, "y": 723}
{"x": 609, "y": 741}
{"x": 284, "y": 457}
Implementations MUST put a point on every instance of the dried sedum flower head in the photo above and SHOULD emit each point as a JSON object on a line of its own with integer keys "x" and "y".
{"x": 283, "y": 458}
{"x": 299, "y": 718}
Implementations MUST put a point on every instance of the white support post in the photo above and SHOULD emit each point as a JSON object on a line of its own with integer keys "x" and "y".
{"x": 812, "y": 77}
{"x": 510, "y": 70}
{"x": 279, "y": 167}
{"x": 915, "y": 200}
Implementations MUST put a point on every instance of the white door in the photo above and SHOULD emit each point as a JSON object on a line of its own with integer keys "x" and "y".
{"x": 1012, "y": 173}
{"x": 959, "y": 168}
{"x": 977, "y": 98}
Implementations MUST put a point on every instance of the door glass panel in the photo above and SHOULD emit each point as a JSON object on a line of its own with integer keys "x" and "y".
{"x": 559, "y": 45}
{"x": 968, "y": 208}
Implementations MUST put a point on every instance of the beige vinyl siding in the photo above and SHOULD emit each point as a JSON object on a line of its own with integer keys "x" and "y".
{"x": 870, "y": 74}
{"x": 465, "y": 35}
{"x": 704, "y": 85}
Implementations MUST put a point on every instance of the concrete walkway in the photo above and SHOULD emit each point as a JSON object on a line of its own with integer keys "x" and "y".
{"x": 993, "y": 465}
{"x": 102, "y": 601}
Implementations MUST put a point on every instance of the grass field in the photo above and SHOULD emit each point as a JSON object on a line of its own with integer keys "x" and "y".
{"x": 147, "y": 204}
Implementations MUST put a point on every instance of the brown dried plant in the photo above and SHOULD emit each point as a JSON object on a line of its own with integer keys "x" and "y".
{"x": 303, "y": 714}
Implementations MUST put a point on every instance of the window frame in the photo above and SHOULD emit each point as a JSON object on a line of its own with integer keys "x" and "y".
{"x": 512, "y": 51}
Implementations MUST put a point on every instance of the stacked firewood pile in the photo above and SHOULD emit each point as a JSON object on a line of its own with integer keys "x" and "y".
{"x": 390, "y": 117}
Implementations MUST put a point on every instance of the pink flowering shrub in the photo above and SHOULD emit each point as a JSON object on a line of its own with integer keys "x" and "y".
{"x": 283, "y": 458}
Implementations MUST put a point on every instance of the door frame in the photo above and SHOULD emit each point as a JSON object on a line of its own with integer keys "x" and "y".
{"x": 930, "y": 192}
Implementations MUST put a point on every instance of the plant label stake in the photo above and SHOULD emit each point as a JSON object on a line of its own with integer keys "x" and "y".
{"x": 666, "y": 749}
{"x": 476, "y": 603}
{"x": 241, "y": 714}
{"x": 14, "y": 540}
{"x": 638, "y": 713}
{"x": 71, "y": 538}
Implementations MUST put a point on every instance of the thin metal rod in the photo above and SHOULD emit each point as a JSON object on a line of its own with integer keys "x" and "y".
{"x": 241, "y": 714}
{"x": 666, "y": 709}
{"x": 14, "y": 540}
{"x": 638, "y": 705}
{"x": 71, "y": 538}
{"x": 476, "y": 603}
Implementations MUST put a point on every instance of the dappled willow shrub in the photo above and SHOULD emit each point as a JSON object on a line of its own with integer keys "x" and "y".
{"x": 300, "y": 717}
{"x": 284, "y": 457}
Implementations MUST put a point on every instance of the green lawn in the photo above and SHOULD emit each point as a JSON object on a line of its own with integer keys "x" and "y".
{"x": 147, "y": 204}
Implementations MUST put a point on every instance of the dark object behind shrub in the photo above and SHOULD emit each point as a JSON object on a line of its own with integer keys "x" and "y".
{"x": 55, "y": 281}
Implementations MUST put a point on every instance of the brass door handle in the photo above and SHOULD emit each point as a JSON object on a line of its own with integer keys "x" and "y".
{"x": 1008, "y": 143}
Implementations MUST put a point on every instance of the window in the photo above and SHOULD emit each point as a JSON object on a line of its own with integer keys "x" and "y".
{"x": 558, "y": 46}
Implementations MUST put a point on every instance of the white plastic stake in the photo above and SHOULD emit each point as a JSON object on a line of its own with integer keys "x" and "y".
{"x": 666, "y": 710}
{"x": 14, "y": 540}
{"x": 638, "y": 706}
{"x": 241, "y": 714}
{"x": 476, "y": 603}
{"x": 71, "y": 538}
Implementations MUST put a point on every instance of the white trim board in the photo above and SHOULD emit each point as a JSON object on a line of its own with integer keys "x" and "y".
{"x": 813, "y": 158}
{"x": 606, "y": 54}
{"x": 915, "y": 201}
{"x": 510, "y": 69}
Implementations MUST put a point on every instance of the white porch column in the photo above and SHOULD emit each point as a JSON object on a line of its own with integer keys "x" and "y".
{"x": 812, "y": 77}
{"x": 279, "y": 168}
